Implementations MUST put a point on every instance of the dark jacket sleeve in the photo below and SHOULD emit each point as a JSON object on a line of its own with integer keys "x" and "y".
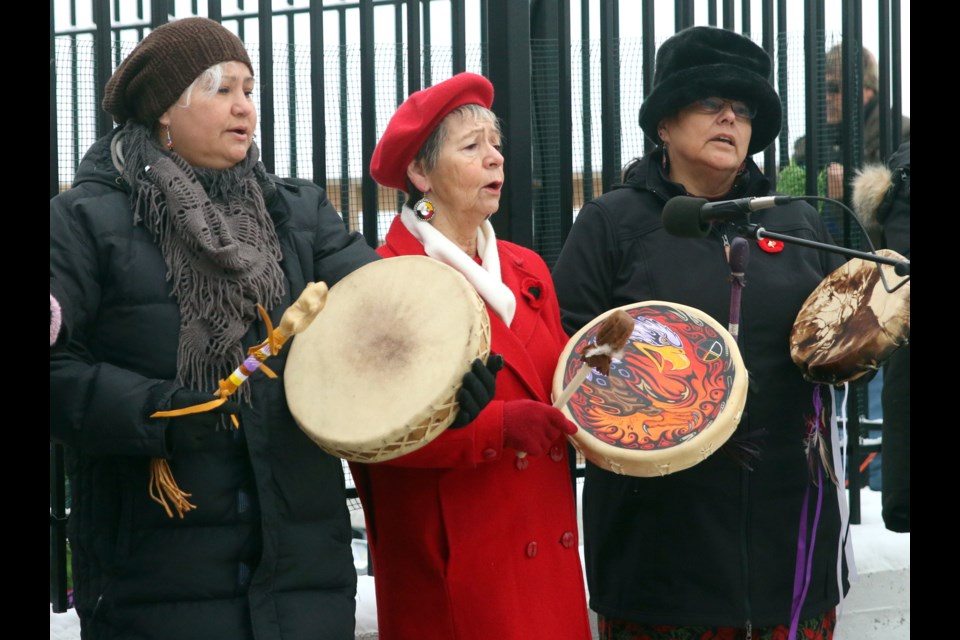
{"x": 100, "y": 408}
{"x": 336, "y": 252}
{"x": 585, "y": 270}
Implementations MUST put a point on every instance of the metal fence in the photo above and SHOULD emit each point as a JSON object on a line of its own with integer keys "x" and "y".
{"x": 330, "y": 74}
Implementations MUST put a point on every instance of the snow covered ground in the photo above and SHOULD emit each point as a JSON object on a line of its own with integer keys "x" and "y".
{"x": 877, "y": 607}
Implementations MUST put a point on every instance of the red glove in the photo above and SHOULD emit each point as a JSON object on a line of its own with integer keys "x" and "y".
{"x": 532, "y": 427}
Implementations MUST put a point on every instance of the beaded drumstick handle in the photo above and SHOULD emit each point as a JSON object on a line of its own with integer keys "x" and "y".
{"x": 295, "y": 319}
{"x": 611, "y": 339}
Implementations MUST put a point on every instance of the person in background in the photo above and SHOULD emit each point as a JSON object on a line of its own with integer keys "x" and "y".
{"x": 710, "y": 551}
{"x": 791, "y": 180}
{"x": 170, "y": 236}
{"x": 881, "y": 198}
{"x": 469, "y": 539}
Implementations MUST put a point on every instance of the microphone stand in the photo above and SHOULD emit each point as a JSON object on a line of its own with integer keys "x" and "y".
{"x": 751, "y": 230}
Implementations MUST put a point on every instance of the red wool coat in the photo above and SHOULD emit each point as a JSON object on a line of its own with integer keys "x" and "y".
{"x": 466, "y": 543}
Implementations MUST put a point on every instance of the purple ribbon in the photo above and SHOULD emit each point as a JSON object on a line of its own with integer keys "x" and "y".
{"x": 801, "y": 576}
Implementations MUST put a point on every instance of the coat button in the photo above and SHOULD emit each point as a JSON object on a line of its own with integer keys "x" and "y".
{"x": 521, "y": 463}
{"x": 567, "y": 540}
{"x": 556, "y": 453}
{"x": 489, "y": 454}
{"x": 531, "y": 549}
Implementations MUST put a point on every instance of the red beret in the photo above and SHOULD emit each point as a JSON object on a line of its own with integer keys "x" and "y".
{"x": 416, "y": 119}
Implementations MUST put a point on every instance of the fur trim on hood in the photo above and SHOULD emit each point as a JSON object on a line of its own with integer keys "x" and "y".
{"x": 871, "y": 186}
{"x": 55, "y": 319}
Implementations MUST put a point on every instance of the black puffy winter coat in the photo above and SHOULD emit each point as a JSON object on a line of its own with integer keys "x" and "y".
{"x": 715, "y": 544}
{"x": 267, "y": 553}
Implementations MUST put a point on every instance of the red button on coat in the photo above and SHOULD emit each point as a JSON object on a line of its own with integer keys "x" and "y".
{"x": 521, "y": 463}
{"x": 489, "y": 454}
{"x": 531, "y": 549}
{"x": 556, "y": 453}
{"x": 567, "y": 539}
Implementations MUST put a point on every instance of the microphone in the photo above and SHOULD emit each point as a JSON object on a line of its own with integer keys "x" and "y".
{"x": 690, "y": 217}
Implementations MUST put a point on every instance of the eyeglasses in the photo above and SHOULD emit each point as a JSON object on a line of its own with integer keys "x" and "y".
{"x": 716, "y": 105}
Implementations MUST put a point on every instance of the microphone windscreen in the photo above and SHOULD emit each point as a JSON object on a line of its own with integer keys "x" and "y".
{"x": 681, "y": 217}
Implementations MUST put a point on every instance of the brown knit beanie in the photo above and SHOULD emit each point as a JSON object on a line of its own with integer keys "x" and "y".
{"x": 164, "y": 64}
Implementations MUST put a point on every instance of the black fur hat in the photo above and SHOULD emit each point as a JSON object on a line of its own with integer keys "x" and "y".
{"x": 700, "y": 62}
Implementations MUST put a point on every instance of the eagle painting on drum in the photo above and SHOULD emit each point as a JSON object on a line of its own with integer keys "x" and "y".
{"x": 674, "y": 397}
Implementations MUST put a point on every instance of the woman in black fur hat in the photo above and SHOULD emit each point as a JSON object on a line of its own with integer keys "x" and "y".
{"x": 712, "y": 551}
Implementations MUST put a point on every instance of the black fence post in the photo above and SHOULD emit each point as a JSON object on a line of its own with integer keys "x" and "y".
{"x": 510, "y": 75}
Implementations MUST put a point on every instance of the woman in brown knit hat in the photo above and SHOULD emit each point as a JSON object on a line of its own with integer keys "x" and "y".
{"x": 170, "y": 236}
{"x": 711, "y": 551}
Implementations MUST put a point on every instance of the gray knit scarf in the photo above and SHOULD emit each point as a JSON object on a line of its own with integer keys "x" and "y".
{"x": 219, "y": 244}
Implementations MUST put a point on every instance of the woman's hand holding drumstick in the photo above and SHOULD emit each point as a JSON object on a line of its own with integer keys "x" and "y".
{"x": 294, "y": 320}
{"x": 611, "y": 339}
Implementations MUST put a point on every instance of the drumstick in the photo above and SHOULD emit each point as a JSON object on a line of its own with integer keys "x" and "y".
{"x": 294, "y": 320}
{"x": 612, "y": 337}
{"x": 739, "y": 256}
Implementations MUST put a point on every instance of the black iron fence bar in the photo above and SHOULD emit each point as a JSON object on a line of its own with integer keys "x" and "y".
{"x": 427, "y": 51}
{"x": 813, "y": 90}
{"x": 768, "y": 43}
{"x": 267, "y": 114}
{"x": 215, "y": 11}
{"x": 887, "y": 144}
{"x": 610, "y": 129}
{"x": 458, "y": 36}
{"x": 511, "y": 77}
{"x": 413, "y": 47}
{"x": 565, "y": 120}
{"x": 318, "y": 124}
{"x": 682, "y": 14}
{"x": 58, "y": 531}
{"x": 344, "y": 129}
{"x": 586, "y": 95}
{"x": 729, "y": 13}
{"x": 484, "y": 38}
{"x": 103, "y": 66}
{"x": 896, "y": 73}
{"x": 782, "y": 85}
{"x": 852, "y": 118}
{"x": 649, "y": 53}
{"x": 54, "y": 150}
{"x": 745, "y": 26}
{"x": 292, "y": 94}
{"x": 368, "y": 122}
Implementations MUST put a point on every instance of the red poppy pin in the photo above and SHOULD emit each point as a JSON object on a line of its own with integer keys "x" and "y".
{"x": 770, "y": 245}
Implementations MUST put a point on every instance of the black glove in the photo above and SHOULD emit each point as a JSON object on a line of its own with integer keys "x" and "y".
{"x": 193, "y": 431}
{"x": 479, "y": 385}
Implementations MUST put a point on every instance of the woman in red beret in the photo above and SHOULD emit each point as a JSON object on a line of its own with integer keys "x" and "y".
{"x": 469, "y": 538}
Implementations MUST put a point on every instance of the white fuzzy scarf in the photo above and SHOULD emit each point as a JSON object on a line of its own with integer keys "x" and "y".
{"x": 485, "y": 279}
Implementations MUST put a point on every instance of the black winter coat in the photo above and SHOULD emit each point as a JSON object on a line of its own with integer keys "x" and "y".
{"x": 267, "y": 553}
{"x": 714, "y": 544}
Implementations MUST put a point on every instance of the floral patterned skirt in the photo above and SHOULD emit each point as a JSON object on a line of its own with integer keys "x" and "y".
{"x": 816, "y": 628}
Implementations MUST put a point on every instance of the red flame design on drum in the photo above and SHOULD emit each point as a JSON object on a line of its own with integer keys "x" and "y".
{"x": 672, "y": 383}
